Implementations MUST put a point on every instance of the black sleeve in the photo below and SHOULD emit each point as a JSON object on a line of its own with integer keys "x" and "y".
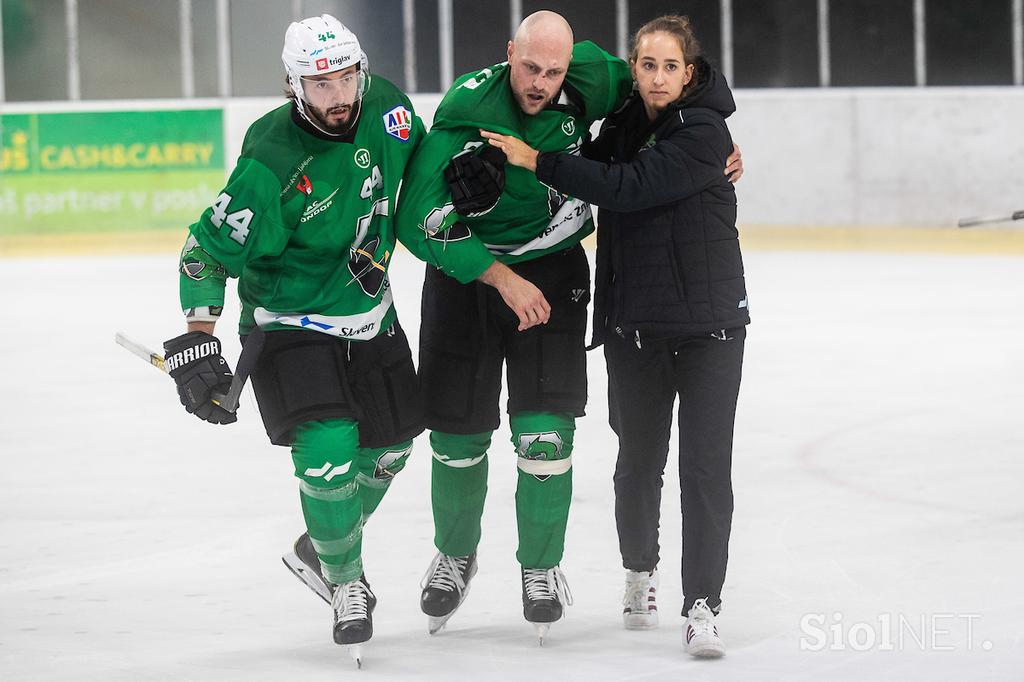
{"x": 600, "y": 147}
{"x": 680, "y": 165}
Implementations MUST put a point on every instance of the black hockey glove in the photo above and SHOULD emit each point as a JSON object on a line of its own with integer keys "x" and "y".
{"x": 195, "y": 363}
{"x": 476, "y": 180}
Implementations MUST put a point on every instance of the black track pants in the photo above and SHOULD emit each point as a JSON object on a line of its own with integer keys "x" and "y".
{"x": 642, "y": 385}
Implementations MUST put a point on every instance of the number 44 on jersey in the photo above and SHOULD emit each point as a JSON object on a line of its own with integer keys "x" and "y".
{"x": 238, "y": 221}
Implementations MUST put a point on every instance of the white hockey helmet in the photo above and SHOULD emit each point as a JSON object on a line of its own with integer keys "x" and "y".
{"x": 318, "y": 46}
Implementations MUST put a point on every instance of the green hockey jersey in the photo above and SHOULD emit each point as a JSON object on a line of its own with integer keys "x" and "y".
{"x": 530, "y": 219}
{"x": 307, "y": 224}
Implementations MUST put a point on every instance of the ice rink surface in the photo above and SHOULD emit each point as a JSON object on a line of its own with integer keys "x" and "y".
{"x": 878, "y": 472}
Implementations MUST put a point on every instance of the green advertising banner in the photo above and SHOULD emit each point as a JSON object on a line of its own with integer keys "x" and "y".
{"x": 108, "y": 171}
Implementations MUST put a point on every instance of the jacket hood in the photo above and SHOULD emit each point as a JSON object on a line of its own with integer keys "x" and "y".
{"x": 712, "y": 91}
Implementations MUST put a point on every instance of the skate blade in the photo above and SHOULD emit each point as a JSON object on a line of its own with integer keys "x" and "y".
{"x": 436, "y": 623}
{"x": 542, "y": 631}
{"x": 308, "y": 577}
{"x": 356, "y": 652}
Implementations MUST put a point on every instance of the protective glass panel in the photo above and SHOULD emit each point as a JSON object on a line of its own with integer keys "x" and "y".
{"x": 969, "y": 43}
{"x": 257, "y": 37}
{"x": 428, "y": 58}
{"x": 35, "y": 50}
{"x": 480, "y": 33}
{"x": 590, "y": 19}
{"x": 129, "y": 49}
{"x": 775, "y": 43}
{"x": 204, "y": 48}
{"x": 872, "y": 42}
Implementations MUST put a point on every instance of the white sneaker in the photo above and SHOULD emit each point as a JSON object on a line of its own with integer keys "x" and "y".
{"x": 700, "y": 636}
{"x": 640, "y": 610}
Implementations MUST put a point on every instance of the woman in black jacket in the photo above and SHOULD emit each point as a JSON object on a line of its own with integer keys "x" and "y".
{"x": 670, "y": 308}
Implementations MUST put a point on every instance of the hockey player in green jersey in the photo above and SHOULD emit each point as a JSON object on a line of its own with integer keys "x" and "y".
{"x": 306, "y": 223}
{"x": 506, "y": 281}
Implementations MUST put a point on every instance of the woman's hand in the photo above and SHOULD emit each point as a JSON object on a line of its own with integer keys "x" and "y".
{"x": 518, "y": 152}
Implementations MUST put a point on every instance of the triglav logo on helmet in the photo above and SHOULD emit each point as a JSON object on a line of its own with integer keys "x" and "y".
{"x": 335, "y": 62}
{"x": 398, "y": 123}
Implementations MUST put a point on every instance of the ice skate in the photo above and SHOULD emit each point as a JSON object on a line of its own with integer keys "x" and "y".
{"x": 545, "y": 591}
{"x": 640, "y": 610}
{"x": 445, "y": 587}
{"x": 305, "y": 565}
{"x": 353, "y": 605}
{"x": 700, "y": 635}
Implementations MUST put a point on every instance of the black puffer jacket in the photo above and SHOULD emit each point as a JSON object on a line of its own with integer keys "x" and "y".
{"x": 668, "y": 255}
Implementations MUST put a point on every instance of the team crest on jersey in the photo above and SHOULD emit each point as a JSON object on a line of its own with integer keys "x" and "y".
{"x": 195, "y": 261}
{"x": 398, "y": 123}
{"x": 369, "y": 271}
{"x": 304, "y": 185}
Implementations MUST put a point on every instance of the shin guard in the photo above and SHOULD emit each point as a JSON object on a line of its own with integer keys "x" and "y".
{"x": 324, "y": 454}
{"x": 458, "y": 489}
{"x": 377, "y": 468}
{"x": 543, "y": 442}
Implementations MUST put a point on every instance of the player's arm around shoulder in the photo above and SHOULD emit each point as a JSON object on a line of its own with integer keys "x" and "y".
{"x": 430, "y": 227}
{"x": 603, "y": 81}
{"x": 427, "y": 223}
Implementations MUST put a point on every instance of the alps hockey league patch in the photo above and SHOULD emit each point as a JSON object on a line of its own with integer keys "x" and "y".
{"x": 398, "y": 123}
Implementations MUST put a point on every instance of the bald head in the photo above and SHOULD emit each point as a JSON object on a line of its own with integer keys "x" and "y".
{"x": 538, "y": 58}
{"x": 547, "y": 26}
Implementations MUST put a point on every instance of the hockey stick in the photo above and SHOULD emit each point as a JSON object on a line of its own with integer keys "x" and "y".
{"x": 138, "y": 349}
{"x": 246, "y": 362}
{"x": 982, "y": 220}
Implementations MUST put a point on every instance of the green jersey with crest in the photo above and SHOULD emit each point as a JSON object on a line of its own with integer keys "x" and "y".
{"x": 307, "y": 224}
{"x": 530, "y": 219}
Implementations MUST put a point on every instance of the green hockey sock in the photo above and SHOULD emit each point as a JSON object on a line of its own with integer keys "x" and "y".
{"x": 543, "y": 443}
{"x": 458, "y": 489}
{"x": 377, "y": 468}
{"x": 324, "y": 454}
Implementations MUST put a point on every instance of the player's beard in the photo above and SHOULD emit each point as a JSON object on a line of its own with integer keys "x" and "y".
{"x": 343, "y": 123}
